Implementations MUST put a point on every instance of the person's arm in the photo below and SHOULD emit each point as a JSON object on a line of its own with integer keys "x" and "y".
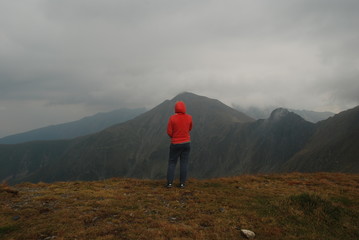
{"x": 190, "y": 124}
{"x": 169, "y": 128}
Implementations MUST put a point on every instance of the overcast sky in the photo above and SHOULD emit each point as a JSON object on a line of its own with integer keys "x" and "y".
{"x": 63, "y": 60}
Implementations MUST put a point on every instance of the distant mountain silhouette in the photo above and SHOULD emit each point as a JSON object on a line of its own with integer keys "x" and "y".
{"x": 264, "y": 113}
{"x": 84, "y": 126}
{"x": 225, "y": 142}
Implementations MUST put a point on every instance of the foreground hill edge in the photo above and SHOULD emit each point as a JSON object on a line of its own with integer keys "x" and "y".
{"x": 275, "y": 206}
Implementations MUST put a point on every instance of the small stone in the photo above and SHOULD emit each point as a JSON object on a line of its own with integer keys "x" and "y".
{"x": 172, "y": 219}
{"x": 247, "y": 234}
{"x": 50, "y": 238}
{"x": 15, "y": 218}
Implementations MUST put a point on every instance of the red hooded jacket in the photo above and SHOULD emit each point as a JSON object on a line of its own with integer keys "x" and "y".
{"x": 179, "y": 125}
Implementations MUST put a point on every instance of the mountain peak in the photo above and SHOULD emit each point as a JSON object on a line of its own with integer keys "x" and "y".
{"x": 204, "y": 107}
{"x": 186, "y": 96}
{"x": 278, "y": 114}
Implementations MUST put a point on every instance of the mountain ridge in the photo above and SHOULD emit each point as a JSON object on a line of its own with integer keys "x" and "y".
{"x": 81, "y": 127}
{"x": 334, "y": 144}
{"x": 264, "y": 113}
{"x": 95, "y": 123}
{"x": 225, "y": 142}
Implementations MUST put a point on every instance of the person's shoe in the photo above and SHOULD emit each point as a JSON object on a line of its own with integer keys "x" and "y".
{"x": 181, "y": 185}
{"x": 169, "y": 185}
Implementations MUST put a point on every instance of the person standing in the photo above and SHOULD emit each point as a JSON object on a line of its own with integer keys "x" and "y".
{"x": 178, "y": 129}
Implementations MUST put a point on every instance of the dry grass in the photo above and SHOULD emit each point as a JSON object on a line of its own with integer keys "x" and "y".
{"x": 279, "y": 206}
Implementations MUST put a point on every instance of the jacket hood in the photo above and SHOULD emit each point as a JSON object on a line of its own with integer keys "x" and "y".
{"x": 180, "y": 107}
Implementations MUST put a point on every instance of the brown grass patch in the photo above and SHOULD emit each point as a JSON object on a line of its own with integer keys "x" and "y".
{"x": 276, "y": 206}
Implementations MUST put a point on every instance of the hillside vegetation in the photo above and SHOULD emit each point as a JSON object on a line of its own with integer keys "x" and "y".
{"x": 276, "y": 206}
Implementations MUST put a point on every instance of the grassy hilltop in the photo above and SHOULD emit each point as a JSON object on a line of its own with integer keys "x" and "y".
{"x": 276, "y": 206}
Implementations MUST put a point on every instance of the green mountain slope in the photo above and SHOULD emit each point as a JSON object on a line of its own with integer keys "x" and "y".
{"x": 333, "y": 147}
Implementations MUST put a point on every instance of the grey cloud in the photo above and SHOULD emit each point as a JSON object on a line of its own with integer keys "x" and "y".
{"x": 102, "y": 55}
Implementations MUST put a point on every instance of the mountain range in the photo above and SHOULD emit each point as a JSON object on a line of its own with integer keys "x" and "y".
{"x": 225, "y": 142}
{"x": 101, "y": 121}
{"x": 84, "y": 126}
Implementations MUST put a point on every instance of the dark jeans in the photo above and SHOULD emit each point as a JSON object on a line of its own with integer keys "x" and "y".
{"x": 180, "y": 151}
